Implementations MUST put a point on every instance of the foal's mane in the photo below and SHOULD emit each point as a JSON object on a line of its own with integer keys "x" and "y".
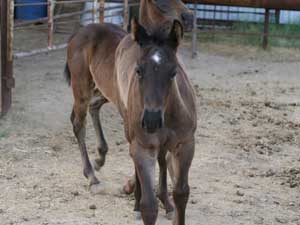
{"x": 159, "y": 36}
{"x": 163, "y": 35}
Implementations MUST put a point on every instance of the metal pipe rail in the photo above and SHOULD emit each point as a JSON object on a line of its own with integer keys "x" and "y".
{"x": 266, "y": 4}
{"x": 44, "y": 19}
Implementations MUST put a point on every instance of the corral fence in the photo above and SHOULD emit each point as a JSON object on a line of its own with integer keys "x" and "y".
{"x": 205, "y": 23}
{"x": 8, "y": 26}
{"x": 208, "y": 17}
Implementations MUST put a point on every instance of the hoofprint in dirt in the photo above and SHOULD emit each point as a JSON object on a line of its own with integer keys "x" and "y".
{"x": 247, "y": 164}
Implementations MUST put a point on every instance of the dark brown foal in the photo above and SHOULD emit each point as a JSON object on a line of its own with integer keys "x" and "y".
{"x": 91, "y": 60}
{"x": 90, "y": 69}
{"x": 158, "y": 106}
{"x": 154, "y": 98}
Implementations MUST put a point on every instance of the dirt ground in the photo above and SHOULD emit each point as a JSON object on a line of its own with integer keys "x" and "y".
{"x": 246, "y": 169}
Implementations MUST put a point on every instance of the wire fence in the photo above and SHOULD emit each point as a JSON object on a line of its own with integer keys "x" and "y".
{"x": 93, "y": 12}
{"x": 209, "y": 18}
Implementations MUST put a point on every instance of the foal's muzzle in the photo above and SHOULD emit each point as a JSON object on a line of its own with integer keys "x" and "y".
{"x": 188, "y": 21}
{"x": 152, "y": 120}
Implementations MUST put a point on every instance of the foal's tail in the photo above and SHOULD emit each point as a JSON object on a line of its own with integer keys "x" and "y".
{"x": 67, "y": 74}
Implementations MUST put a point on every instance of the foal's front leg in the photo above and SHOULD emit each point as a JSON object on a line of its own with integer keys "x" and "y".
{"x": 145, "y": 160}
{"x": 181, "y": 159}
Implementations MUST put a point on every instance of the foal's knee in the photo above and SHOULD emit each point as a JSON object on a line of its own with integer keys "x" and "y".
{"x": 77, "y": 126}
{"x": 181, "y": 194}
{"x": 77, "y": 120}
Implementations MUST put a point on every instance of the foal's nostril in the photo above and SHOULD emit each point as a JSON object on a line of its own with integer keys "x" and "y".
{"x": 152, "y": 120}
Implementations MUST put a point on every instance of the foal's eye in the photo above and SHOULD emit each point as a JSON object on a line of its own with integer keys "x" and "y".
{"x": 139, "y": 72}
{"x": 173, "y": 75}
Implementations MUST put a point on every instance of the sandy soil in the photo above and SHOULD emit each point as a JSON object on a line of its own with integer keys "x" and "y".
{"x": 246, "y": 169}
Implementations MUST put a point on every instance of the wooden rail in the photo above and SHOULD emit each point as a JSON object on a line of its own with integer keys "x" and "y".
{"x": 7, "y": 26}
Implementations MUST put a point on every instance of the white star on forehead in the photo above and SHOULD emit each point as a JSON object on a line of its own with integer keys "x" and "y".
{"x": 156, "y": 57}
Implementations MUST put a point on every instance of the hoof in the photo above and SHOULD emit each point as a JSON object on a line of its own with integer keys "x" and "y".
{"x": 99, "y": 188}
{"x": 98, "y": 163}
{"x": 138, "y": 215}
{"x": 93, "y": 180}
{"x": 129, "y": 187}
{"x": 170, "y": 215}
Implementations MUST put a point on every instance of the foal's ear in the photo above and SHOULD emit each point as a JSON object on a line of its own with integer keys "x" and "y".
{"x": 139, "y": 33}
{"x": 175, "y": 35}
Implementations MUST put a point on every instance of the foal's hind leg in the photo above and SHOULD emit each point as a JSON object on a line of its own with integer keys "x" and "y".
{"x": 78, "y": 119}
{"x": 96, "y": 103}
{"x": 82, "y": 87}
{"x": 163, "y": 187}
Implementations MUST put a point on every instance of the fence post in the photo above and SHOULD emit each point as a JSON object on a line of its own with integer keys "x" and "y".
{"x": 50, "y": 23}
{"x": 277, "y": 16}
{"x": 101, "y": 11}
{"x": 94, "y": 11}
{"x": 7, "y": 80}
{"x": 194, "y": 34}
{"x": 126, "y": 15}
{"x": 266, "y": 29}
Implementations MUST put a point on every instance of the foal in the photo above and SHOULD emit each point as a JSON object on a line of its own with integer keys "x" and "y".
{"x": 90, "y": 70}
{"x": 155, "y": 100}
{"x": 90, "y": 66}
{"x": 157, "y": 104}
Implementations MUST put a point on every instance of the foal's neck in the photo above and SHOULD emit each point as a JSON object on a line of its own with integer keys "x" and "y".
{"x": 175, "y": 100}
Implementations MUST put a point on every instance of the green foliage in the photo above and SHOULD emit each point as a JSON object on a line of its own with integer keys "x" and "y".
{"x": 253, "y": 40}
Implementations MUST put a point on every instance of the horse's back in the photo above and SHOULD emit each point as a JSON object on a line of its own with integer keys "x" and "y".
{"x": 91, "y": 55}
{"x": 93, "y": 35}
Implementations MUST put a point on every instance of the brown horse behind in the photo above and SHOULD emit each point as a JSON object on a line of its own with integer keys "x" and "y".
{"x": 91, "y": 59}
{"x": 156, "y": 101}
{"x": 90, "y": 67}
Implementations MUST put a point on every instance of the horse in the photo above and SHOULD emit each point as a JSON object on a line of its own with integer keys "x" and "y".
{"x": 161, "y": 12}
{"x": 91, "y": 55}
{"x": 157, "y": 103}
{"x": 90, "y": 71}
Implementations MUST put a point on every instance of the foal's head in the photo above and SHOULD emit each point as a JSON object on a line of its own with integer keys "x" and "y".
{"x": 170, "y": 10}
{"x": 156, "y": 69}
